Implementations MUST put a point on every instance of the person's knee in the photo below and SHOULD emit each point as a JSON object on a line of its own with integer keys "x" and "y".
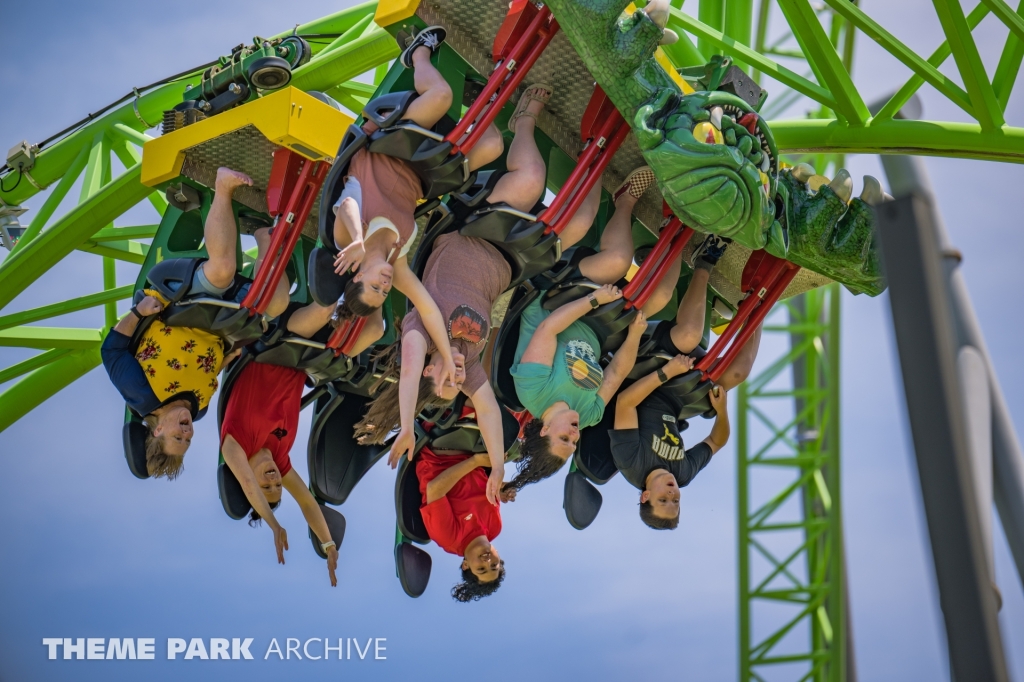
{"x": 686, "y": 336}
{"x": 219, "y": 272}
{"x": 279, "y": 302}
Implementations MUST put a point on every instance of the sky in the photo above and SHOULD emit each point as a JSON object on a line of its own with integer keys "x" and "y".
{"x": 89, "y": 551}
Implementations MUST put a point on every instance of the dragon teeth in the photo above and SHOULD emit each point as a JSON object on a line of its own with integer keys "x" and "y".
{"x": 716, "y": 117}
{"x": 765, "y": 163}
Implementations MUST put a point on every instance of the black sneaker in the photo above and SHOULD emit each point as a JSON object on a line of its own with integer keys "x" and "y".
{"x": 711, "y": 250}
{"x": 431, "y": 37}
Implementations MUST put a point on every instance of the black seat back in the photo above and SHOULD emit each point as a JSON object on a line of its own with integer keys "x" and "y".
{"x": 407, "y": 503}
{"x": 688, "y": 394}
{"x": 336, "y": 461}
{"x": 133, "y": 435}
{"x": 413, "y": 566}
{"x": 232, "y": 497}
{"x": 581, "y": 500}
{"x": 335, "y": 524}
{"x": 594, "y": 451}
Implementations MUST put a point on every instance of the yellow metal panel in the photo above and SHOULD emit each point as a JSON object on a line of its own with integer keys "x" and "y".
{"x": 289, "y": 118}
{"x": 392, "y": 11}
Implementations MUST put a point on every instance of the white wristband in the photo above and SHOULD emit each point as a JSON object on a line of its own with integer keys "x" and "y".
{"x": 325, "y": 545}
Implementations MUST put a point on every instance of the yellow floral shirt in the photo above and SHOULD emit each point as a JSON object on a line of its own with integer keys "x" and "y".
{"x": 178, "y": 359}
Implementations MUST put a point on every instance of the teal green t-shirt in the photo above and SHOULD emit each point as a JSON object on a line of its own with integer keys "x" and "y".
{"x": 574, "y": 375}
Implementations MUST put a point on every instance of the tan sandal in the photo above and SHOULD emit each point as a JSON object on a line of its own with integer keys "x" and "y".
{"x": 538, "y": 91}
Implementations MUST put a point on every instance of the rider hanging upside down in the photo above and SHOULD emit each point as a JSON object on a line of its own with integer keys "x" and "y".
{"x": 459, "y": 517}
{"x": 169, "y": 377}
{"x": 374, "y": 227}
{"x": 464, "y": 276}
{"x": 259, "y": 427}
{"x": 556, "y": 370}
{"x": 647, "y": 445}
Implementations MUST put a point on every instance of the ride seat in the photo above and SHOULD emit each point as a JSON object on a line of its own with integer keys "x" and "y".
{"x": 336, "y": 461}
{"x": 609, "y": 321}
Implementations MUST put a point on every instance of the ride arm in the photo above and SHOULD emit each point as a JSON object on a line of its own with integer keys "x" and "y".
{"x": 719, "y": 435}
{"x": 446, "y": 480}
{"x": 409, "y": 284}
{"x": 238, "y": 461}
{"x": 488, "y": 417}
{"x": 544, "y": 342}
{"x": 623, "y": 360}
{"x": 314, "y": 517}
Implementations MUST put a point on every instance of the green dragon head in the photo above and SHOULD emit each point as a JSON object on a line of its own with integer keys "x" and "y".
{"x": 715, "y": 160}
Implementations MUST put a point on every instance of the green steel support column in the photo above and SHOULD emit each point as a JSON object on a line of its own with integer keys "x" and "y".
{"x": 710, "y": 13}
{"x": 739, "y": 17}
{"x": 792, "y": 620}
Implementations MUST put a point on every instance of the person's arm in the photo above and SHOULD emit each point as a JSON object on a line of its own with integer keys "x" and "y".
{"x": 719, "y": 435}
{"x": 446, "y": 480}
{"x": 236, "y": 459}
{"x": 626, "y": 403}
{"x": 414, "y": 352}
{"x": 544, "y": 342}
{"x": 409, "y": 284}
{"x": 314, "y": 518}
{"x": 623, "y": 360}
{"x": 146, "y": 307}
{"x": 488, "y": 418}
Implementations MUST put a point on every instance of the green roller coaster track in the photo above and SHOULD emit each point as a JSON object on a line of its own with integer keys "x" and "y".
{"x": 806, "y": 58}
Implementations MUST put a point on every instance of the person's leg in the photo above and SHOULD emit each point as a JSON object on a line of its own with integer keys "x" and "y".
{"x": 307, "y": 321}
{"x": 487, "y": 149}
{"x": 524, "y": 182}
{"x": 612, "y": 263}
{"x": 220, "y": 233}
{"x": 580, "y": 223}
{"x": 689, "y": 326}
{"x": 739, "y": 370}
{"x": 663, "y": 292}
{"x": 348, "y": 221}
{"x": 435, "y": 94}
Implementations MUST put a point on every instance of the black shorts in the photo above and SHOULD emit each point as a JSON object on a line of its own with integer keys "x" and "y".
{"x": 663, "y": 341}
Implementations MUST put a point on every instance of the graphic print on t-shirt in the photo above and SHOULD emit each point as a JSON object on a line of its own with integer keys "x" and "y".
{"x": 581, "y": 364}
{"x": 466, "y": 323}
{"x": 667, "y": 444}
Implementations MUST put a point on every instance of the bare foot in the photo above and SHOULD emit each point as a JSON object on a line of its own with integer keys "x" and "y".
{"x": 229, "y": 180}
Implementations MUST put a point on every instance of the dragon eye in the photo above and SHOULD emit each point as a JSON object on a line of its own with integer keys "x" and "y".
{"x": 707, "y": 133}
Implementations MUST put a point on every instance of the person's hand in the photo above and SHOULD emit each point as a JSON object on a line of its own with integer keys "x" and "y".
{"x": 150, "y": 305}
{"x": 638, "y": 326}
{"x": 447, "y": 374}
{"x": 607, "y": 294}
{"x": 332, "y": 564}
{"x": 494, "y": 482}
{"x": 680, "y": 364}
{"x": 280, "y": 542}
{"x": 718, "y": 399}
{"x": 351, "y": 256}
{"x": 404, "y": 443}
{"x": 508, "y": 495}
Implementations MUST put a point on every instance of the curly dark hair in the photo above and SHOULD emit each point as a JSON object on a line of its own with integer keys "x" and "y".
{"x": 256, "y": 520}
{"x": 656, "y": 522}
{"x": 351, "y": 305}
{"x": 471, "y": 589}
{"x": 536, "y": 462}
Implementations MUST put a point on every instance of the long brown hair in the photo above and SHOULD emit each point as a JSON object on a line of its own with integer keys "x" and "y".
{"x": 536, "y": 462}
{"x": 159, "y": 464}
{"x": 384, "y": 414}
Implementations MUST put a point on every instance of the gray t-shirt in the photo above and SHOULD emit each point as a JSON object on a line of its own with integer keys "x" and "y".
{"x": 465, "y": 276}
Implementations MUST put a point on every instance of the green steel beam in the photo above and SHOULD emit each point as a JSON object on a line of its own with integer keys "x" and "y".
{"x": 45, "y": 251}
{"x": 739, "y": 17}
{"x": 64, "y": 307}
{"x": 987, "y": 111}
{"x": 711, "y": 13}
{"x": 34, "y": 362}
{"x": 126, "y": 250}
{"x": 1009, "y": 64}
{"x": 146, "y": 111}
{"x": 823, "y": 58}
{"x": 53, "y": 200}
{"x": 128, "y": 155}
{"x": 920, "y": 138}
{"x": 940, "y": 55}
{"x": 346, "y": 62}
{"x": 751, "y": 58}
{"x": 34, "y": 389}
{"x": 116, "y": 234}
{"x": 1006, "y": 15}
{"x": 919, "y": 66}
{"x": 778, "y": 601}
{"x": 51, "y": 337}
